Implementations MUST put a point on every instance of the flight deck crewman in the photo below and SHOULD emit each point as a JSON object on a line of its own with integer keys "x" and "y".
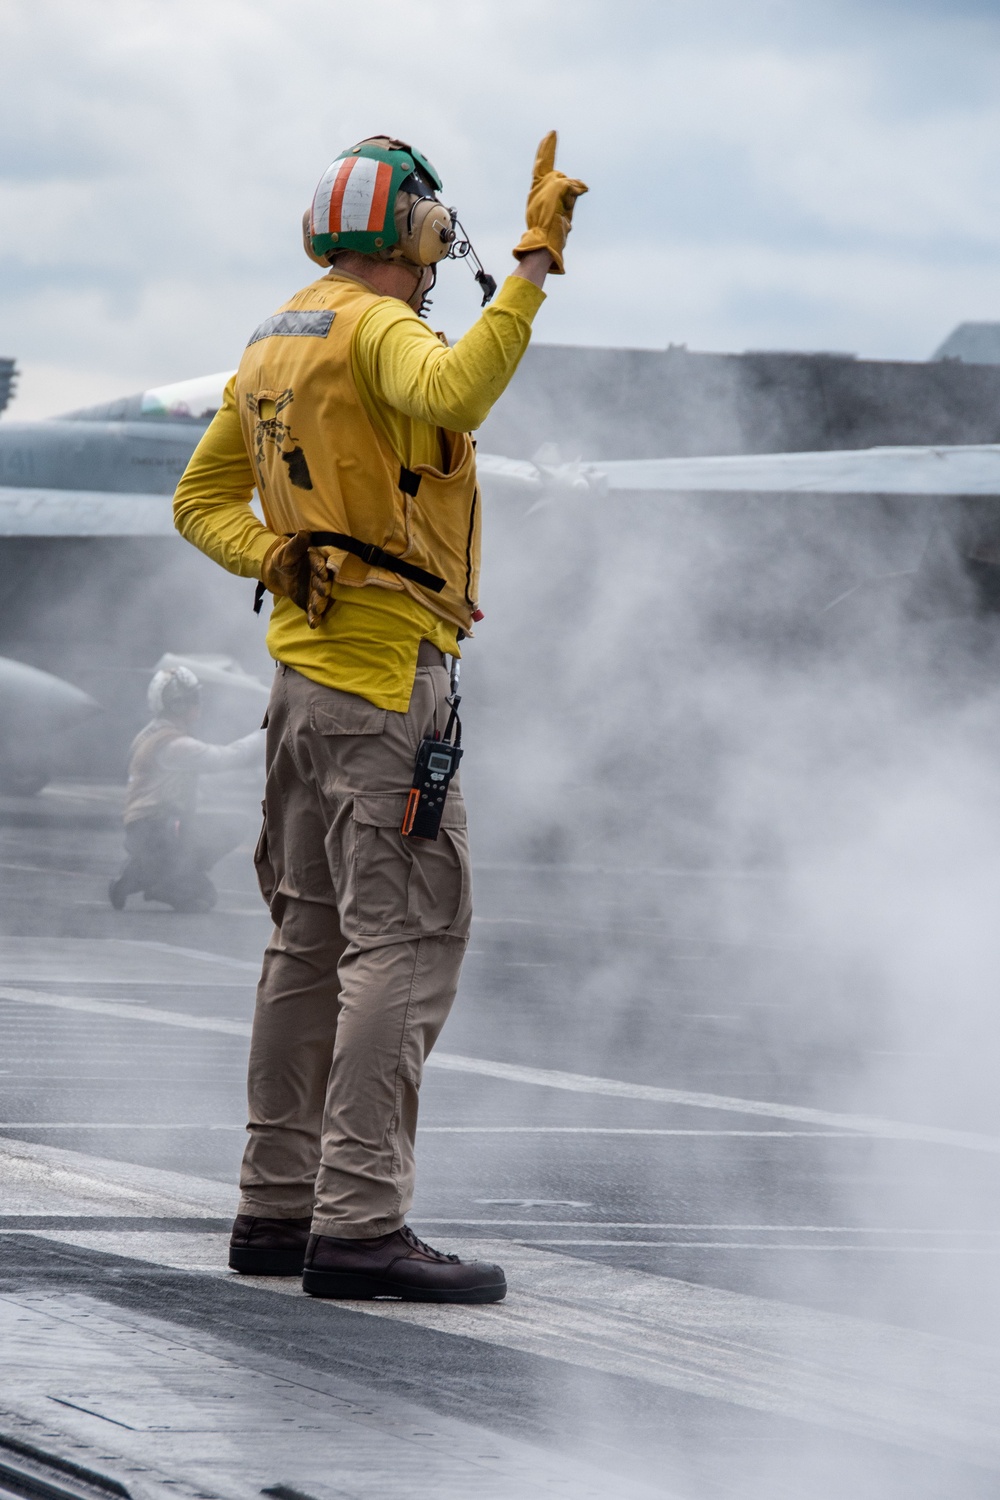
{"x": 352, "y": 419}
{"x": 172, "y": 844}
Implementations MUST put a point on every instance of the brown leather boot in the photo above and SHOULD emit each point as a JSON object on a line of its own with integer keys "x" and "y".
{"x": 397, "y": 1265}
{"x": 268, "y": 1247}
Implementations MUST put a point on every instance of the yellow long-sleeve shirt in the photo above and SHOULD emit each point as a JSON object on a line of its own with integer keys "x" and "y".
{"x": 411, "y": 386}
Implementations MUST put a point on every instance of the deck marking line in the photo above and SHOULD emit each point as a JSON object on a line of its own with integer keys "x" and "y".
{"x": 115, "y": 1125}
{"x": 427, "y": 1218}
{"x": 577, "y": 1083}
{"x": 820, "y": 1135}
{"x": 581, "y": 1083}
{"x": 174, "y": 950}
{"x": 541, "y": 1239}
{"x": 52, "y": 1180}
{"x": 124, "y": 1010}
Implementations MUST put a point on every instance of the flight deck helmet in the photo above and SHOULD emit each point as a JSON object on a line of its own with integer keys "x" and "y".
{"x": 173, "y": 693}
{"x": 380, "y": 198}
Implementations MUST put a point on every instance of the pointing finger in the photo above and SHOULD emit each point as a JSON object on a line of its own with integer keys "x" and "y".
{"x": 545, "y": 158}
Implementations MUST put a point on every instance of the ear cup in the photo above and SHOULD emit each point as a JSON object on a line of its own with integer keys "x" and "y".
{"x": 429, "y": 233}
{"x": 320, "y": 260}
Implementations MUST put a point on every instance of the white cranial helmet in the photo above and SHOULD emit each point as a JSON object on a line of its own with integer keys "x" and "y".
{"x": 173, "y": 691}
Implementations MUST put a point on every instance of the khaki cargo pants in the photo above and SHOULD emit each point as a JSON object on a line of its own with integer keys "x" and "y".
{"x": 361, "y": 970}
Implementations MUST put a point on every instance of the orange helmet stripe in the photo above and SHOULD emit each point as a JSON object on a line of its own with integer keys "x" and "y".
{"x": 380, "y": 197}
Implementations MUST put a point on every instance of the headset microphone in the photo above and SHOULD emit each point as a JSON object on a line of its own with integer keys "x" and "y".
{"x": 462, "y": 250}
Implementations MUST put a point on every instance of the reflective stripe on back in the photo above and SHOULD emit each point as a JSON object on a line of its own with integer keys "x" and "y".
{"x": 312, "y": 324}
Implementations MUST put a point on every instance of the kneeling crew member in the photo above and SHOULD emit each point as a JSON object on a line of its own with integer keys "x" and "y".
{"x": 170, "y": 848}
{"x": 351, "y": 418}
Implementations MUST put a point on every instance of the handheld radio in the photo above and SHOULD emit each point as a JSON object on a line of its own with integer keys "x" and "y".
{"x": 434, "y": 769}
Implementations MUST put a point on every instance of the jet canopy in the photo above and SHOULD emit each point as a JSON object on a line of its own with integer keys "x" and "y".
{"x": 186, "y": 400}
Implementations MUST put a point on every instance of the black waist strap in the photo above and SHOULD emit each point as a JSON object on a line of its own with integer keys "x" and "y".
{"x": 376, "y": 557}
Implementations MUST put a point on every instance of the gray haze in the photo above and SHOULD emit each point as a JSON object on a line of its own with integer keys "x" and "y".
{"x": 729, "y": 793}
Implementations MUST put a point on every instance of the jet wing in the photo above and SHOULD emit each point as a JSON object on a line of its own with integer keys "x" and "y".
{"x": 510, "y": 476}
{"x": 31, "y": 512}
{"x": 969, "y": 470}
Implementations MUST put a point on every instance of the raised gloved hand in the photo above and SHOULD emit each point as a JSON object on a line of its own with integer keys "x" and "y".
{"x": 549, "y": 213}
{"x": 299, "y": 572}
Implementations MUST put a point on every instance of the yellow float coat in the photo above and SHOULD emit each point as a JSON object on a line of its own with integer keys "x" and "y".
{"x": 323, "y": 466}
{"x": 417, "y": 394}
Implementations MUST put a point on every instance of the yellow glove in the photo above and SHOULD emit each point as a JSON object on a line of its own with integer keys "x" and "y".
{"x": 550, "y": 206}
{"x": 297, "y": 571}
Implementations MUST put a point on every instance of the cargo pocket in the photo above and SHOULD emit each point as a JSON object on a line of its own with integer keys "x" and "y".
{"x": 409, "y": 887}
{"x": 262, "y": 863}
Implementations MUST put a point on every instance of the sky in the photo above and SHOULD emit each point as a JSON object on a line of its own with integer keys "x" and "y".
{"x": 781, "y": 174}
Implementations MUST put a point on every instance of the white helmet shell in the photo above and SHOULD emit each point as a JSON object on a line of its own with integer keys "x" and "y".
{"x": 173, "y": 690}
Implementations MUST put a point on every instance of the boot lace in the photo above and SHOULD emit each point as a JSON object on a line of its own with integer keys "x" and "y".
{"x": 419, "y": 1244}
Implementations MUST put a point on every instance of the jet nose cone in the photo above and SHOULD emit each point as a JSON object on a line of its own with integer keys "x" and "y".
{"x": 30, "y": 697}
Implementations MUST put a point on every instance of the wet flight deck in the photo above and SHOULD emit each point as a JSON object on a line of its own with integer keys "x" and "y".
{"x": 713, "y": 1290}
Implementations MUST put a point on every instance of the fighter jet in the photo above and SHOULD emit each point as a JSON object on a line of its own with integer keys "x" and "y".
{"x": 108, "y": 470}
{"x": 968, "y": 470}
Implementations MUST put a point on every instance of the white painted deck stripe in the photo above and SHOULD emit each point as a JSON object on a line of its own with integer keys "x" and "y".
{"x": 578, "y": 1083}
{"x": 174, "y": 950}
{"x": 581, "y": 1083}
{"x": 719, "y": 1228}
{"x": 124, "y": 1010}
{"x": 435, "y": 1220}
{"x": 544, "y": 1239}
{"x": 821, "y": 1135}
{"x": 798, "y": 1135}
{"x": 36, "y": 1179}
{"x": 115, "y": 1125}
